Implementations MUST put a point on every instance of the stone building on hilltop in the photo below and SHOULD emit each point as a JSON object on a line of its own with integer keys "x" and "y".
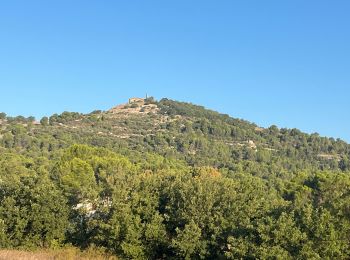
{"x": 136, "y": 100}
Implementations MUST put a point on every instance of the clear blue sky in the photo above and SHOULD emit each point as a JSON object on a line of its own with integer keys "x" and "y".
{"x": 270, "y": 62}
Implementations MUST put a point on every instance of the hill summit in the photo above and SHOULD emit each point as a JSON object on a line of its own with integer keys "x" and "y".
{"x": 136, "y": 106}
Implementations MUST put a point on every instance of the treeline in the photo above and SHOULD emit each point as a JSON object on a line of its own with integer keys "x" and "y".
{"x": 164, "y": 209}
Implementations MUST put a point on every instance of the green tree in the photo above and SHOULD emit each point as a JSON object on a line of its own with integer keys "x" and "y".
{"x": 188, "y": 242}
{"x": 44, "y": 121}
{"x": 2, "y": 116}
{"x": 77, "y": 179}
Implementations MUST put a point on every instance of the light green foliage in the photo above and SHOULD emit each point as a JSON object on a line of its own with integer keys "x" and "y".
{"x": 188, "y": 241}
{"x": 76, "y": 178}
{"x": 33, "y": 212}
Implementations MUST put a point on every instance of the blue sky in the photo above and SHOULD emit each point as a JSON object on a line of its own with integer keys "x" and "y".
{"x": 270, "y": 62}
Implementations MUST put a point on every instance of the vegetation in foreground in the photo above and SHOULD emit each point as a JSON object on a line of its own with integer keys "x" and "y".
{"x": 177, "y": 182}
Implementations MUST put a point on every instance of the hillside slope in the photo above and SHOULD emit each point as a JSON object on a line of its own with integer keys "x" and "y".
{"x": 171, "y": 180}
{"x": 182, "y": 131}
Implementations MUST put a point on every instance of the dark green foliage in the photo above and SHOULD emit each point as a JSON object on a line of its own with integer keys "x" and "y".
{"x": 150, "y": 100}
{"x": 44, "y": 121}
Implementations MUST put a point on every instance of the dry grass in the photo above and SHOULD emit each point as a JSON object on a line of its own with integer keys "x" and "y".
{"x": 62, "y": 254}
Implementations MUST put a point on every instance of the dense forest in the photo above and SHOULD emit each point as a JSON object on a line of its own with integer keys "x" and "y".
{"x": 172, "y": 180}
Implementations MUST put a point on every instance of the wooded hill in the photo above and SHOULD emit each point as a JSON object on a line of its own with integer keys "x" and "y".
{"x": 171, "y": 180}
